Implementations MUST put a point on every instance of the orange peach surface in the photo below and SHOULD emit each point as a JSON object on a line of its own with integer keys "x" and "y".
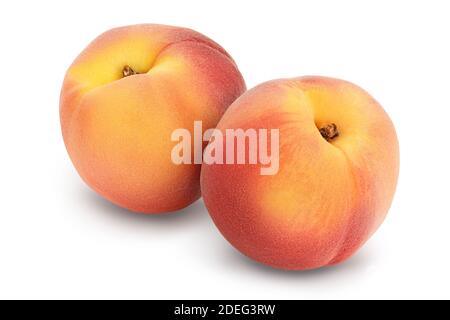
{"x": 123, "y": 97}
{"x": 338, "y": 168}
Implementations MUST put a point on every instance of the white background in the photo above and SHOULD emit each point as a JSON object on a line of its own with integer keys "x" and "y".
{"x": 60, "y": 240}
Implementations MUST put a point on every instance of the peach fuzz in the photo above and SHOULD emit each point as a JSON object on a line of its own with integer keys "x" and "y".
{"x": 123, "y": 97}
{"x": 338, "y": 169}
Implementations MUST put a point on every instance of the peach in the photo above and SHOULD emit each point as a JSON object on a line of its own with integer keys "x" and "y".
{"x": 123, "y": 97}
{"x": 338, "y": 169}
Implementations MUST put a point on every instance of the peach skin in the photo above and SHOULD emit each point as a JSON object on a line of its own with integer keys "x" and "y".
{"x": 338, "y": 169}
{"x": 122, "y": 98}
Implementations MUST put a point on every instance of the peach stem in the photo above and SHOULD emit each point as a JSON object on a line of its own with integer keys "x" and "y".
{"x": 128, "y": 71}
{"x": 329, "y": 132}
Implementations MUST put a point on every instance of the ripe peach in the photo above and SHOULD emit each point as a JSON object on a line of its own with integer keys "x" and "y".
{"x": 338, "y": 168}
{"x": 122, "y": 98}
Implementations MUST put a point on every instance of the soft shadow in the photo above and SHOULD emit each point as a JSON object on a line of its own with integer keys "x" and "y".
{"x": 358, "y": 263}
{"x": 191, "y": 215}
{"x": 195, "y": 215}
